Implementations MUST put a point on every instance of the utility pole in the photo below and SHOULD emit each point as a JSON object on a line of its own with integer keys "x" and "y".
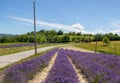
{"x": 96, "y": 43}
{"x": 34, "y": 27}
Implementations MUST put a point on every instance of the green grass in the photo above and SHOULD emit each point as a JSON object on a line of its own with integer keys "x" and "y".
{"x": 113, "y": 48}
{"x": 12, "y": 50}
{"x": 25, "y": 59}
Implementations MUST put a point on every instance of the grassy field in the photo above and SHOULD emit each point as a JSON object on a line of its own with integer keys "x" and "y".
{"x": 3, "y": 44}
{"x": 113, "y": 48}
{"x": 6, "y": 51}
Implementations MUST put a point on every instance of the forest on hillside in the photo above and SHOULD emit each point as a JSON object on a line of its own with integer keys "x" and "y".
{"x": 53, "y": 36}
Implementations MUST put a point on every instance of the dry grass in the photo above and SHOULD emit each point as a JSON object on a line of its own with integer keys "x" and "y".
{"x": 113, "y": 48}
{"x": 6, "y": 51}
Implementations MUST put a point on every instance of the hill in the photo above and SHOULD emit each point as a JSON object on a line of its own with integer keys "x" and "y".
{"x": 1, "y": 35}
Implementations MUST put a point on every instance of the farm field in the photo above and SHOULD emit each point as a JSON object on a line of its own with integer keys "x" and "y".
{"x": 4, "y": 44}
{"x": 9, "y": 59}
{"x": 65, "y": 66}
{"x": 113, "y": 48}
{"x": 60, "y": 41}
{"x": 10, "y": 48}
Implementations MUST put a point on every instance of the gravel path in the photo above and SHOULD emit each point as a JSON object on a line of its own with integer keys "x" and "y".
{"x": 40, "y": 77}
{"x": 77, "y": 49}
{"x": 8, "y": 59}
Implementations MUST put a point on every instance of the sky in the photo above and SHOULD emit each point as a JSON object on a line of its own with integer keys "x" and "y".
{"x": 86, "y": 16}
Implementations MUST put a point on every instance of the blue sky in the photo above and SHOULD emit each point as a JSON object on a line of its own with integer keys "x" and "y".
{"x": 86, "y": 16}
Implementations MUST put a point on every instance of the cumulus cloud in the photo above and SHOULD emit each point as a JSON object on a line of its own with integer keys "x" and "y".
{"x": 115, "y": 24}
{"x": 112, "y": 27}
{"x": 78, "y": 26}
{"x": 75, "y": 27}
{"x": 115, "y": 31}
{"x": 115, "y": 27}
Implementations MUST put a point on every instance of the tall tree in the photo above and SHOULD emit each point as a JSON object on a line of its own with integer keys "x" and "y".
{"x": 65, "y": 39}
{"x": 60, "y": 32}
{"x": 106, "y": 40}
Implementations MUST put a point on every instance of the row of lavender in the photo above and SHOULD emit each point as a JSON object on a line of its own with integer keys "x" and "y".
{"x": 17, "y": 45}
{"x": 62, "y": 70}
{"x": 98, "y": 68}
{"x": 110, "y": 61}
{"x": 21, "y": 73}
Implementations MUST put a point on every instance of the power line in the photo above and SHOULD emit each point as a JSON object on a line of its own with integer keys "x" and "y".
{"x": 51, "y": 11}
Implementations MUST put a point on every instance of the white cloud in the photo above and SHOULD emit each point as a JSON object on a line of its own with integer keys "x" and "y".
{"x": 78, "y": 26}
{"x": 99, "y": 30}
{"x": 115, "y": 24}
{"x": 75, "y": 27}
{"x": 116, "y": 31}
{"x": 20, "y": 19}
{"x": 112, "y": 27}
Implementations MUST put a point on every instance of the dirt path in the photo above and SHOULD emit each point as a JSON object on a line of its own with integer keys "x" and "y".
{"x": 39, "y": 77}
{"x": 77, "y": 49}
{"x": 79, "y": 75}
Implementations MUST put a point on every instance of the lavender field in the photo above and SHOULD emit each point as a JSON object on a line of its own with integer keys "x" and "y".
{"x": 62, "y": 71}
{"x": 95, "y": 67}
{"x": 21, "y": 73}
{"x": 98, "y": 68}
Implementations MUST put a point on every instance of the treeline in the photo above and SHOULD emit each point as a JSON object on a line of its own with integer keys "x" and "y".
{"x": 53, "y": 36}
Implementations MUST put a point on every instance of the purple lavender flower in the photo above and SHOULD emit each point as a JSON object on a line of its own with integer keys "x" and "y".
{"x": 97, "y": 67}
{"x": 21, "y": 73}
{"x": 62, "y": 71}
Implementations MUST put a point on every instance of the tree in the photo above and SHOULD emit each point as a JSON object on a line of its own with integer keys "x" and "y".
{"x": 31, "y": 38}
{"x": 117, "y": 37}
{"x": 52, "y": 32}
{"x": 77, "y": 39}
{"x": 41, "y": 38}
{"x": 42, "y": 31}
{"x": 110, "y": 35}
{"x": 83, "y": 39}
{"x": 99, "y": 37}
{"x": 4, "y": 39}
{"x": 57, "y": 39}
{"x": 65, "y": 39}
{"x": 79, "y": 34}
{"x": 60, "y": 32}
{"x": 72, "y": 39}
{"x": 106, "y": 40}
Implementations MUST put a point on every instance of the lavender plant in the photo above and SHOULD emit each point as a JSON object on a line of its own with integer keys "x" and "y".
{"x": 62, "y": 71}
{"x": 95, "y": 72}
{"x": 18, "y": 45}
{"x": 110, "y": 61}
{"x": 26, "y": 70}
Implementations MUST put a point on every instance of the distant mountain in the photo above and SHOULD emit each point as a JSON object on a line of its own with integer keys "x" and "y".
{"x": 1, "y": 34}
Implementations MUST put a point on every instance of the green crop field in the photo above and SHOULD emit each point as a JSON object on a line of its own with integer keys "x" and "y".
{"x": 113, "y": 48}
